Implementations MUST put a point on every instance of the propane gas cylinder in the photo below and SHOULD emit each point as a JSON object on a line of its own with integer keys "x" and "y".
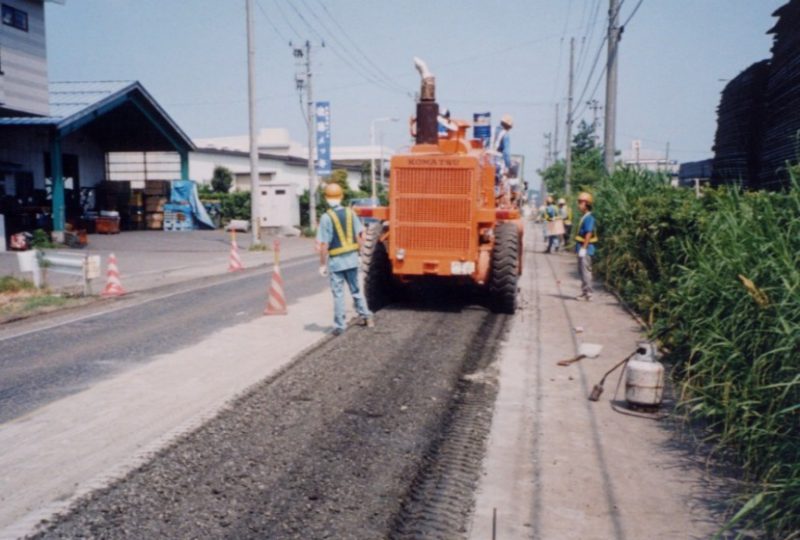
{"x": 644, "y": 381}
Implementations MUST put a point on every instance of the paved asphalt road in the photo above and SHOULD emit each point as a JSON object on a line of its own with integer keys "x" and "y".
{"x": 41, "y": 366}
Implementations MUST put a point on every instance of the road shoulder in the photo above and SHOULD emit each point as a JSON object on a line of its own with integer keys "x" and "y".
{"x": 560, "y": 466}
{"x": 56, "y": 454}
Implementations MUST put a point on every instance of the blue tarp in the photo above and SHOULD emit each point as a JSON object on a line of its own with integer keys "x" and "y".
{"x": 185, "y": 192}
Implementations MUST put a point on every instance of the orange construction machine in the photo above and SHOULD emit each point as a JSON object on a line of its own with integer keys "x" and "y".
{"x": 450, "y": 215}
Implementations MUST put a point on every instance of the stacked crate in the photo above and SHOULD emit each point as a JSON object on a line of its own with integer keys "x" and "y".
{"x": 156, "y": 195}
{"x": 137, "y": 210}
{"x": 781, "y": 142}
{"x": 740, "y": 127}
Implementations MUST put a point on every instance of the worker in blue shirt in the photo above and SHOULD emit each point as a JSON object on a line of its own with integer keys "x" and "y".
{"x": 445, "y": 124}
{"x": 585, "y": 244}
{"x": 338, "y": 239}
{"x": 501, "y": 144}
{"x": 502, "y": 140}
{"x": 551, "y": 214}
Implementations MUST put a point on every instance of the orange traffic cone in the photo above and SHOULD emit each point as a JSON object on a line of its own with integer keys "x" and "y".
{"x": 276, "y": 302}
{"x": 113, "y": 284}
{"x": 235, "y": 263}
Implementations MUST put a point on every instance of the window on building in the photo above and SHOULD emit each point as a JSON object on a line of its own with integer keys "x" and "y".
{"x": 15, "y": 18}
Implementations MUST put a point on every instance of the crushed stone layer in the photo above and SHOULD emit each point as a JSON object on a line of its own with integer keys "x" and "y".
{"x": 328, "y": 449}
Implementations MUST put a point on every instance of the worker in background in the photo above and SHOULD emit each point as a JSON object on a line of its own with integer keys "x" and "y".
{"x": 565, "y": 211}
{"x": 585, "y": 242}
{"x": 551, "y": 217}
{"x": 339, "y": 237}
{"x": 501, "y": 144}
{"x": 445, "y": 124}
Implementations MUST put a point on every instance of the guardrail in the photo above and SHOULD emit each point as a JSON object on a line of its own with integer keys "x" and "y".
{"x": 86, "y": 267}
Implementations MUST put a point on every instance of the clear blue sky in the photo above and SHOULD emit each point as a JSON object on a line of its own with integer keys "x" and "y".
{"x": 509, "y": 56}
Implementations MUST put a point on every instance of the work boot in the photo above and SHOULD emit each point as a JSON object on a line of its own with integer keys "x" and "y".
{"x": 337, "y": 332}
{"x": 369, "y": 322}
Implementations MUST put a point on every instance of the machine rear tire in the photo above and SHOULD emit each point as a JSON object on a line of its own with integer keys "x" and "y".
{"x": 378, "y": 280}
{"x": 504, "y": 269}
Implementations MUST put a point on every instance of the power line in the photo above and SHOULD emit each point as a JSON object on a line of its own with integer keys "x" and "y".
{"x": 354, "y": 43}
{"x": 286, "y": 19}
{"x": 590, "y": 31}
{"x": 591, "y": 72}
{"x": 592, "y": 95}
{"x": 581, "y": 102}
{"x": 635, "y": 9}
{"x": 360, "y": 70}
{"x": 270, "y": 21}
{"x": 561, "y": 49}
{"x": 366, "y": 64}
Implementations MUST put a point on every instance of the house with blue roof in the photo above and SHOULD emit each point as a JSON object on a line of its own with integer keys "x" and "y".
{"x": 55, "y": 136}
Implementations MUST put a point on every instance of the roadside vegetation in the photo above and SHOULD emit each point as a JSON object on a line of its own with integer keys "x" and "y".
{"x": 19, "y": 299}
{"x": 717, "y": 278}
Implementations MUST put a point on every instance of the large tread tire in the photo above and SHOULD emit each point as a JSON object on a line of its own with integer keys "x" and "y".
{"x": 377, "y": 268}
{"x": 504, "y": 269}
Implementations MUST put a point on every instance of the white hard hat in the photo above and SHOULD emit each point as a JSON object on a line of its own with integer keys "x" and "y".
{"x": 562, "y": 201}
{"x": 507, "y": 120}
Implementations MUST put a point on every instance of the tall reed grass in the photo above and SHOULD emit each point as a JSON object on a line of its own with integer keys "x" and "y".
{"x": 719, "y": 278}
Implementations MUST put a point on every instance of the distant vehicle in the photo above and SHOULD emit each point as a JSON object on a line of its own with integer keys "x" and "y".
{"x": 369, "y": 202}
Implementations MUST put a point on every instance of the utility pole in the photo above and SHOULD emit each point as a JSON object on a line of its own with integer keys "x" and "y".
{"x": 548, "y": 159}
{"x": 312, "y": 177}
{"x": 255, "y": 225}
{"x": 609, "y": 141}
{"x": 555, "y": 137}
{"x": 568, "y": 149}
{"x": 594, "y": 105}
{"x": 666, "y": 159}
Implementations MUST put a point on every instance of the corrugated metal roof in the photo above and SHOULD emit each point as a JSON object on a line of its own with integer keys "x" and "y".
{"x": 71, "y": 102}
{"x": 29, "y": 121}
{"x": 68, "y": 97}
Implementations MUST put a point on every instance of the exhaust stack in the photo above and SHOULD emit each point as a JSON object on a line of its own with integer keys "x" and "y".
{"x": 427, "y": 108}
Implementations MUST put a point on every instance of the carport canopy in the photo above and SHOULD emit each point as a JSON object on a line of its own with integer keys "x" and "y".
{"x": 120, "y": 116}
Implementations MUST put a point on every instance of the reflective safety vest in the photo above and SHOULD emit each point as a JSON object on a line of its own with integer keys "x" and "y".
{"x": 580, "y": 238}
{"x": 550, "y": 213}
{"x": 343, "y": 237}
{"x": 568, "y": 218}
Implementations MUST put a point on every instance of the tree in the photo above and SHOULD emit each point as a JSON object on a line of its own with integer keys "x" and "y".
{"x": 587, "y": 164}
{"x": 222, "y": 179}
{"x": 338, "y": 176}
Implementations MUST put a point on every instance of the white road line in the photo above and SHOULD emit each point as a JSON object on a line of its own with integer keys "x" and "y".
{"x": 57, "y": 324}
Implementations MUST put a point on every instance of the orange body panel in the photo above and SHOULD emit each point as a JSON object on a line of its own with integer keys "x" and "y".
{"x": 442, "y": 210}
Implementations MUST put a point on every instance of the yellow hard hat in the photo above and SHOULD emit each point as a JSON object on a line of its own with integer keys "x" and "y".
{"x": 333, "y": 191}
{"x": 585, "y": 196}
{"x": 549, "y": 199}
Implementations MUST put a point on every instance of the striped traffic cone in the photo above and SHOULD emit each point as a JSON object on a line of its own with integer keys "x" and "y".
{"x": 113, "y": 284}
{"x": 276, "y": 302}
{"x": 235, "y": 263}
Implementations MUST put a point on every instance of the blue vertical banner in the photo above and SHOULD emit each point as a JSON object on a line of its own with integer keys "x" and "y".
{"x": 323, "y": 137}
{"x": 482, "y": 128}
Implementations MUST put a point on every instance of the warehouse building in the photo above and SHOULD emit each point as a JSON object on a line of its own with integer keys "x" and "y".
{"x": 55, "y": 139}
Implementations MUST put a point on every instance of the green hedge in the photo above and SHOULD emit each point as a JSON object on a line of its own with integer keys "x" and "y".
{"x": 719, "y": 279}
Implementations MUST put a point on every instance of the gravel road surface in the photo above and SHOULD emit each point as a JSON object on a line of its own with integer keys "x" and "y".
{"x": 338, "y": 445}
